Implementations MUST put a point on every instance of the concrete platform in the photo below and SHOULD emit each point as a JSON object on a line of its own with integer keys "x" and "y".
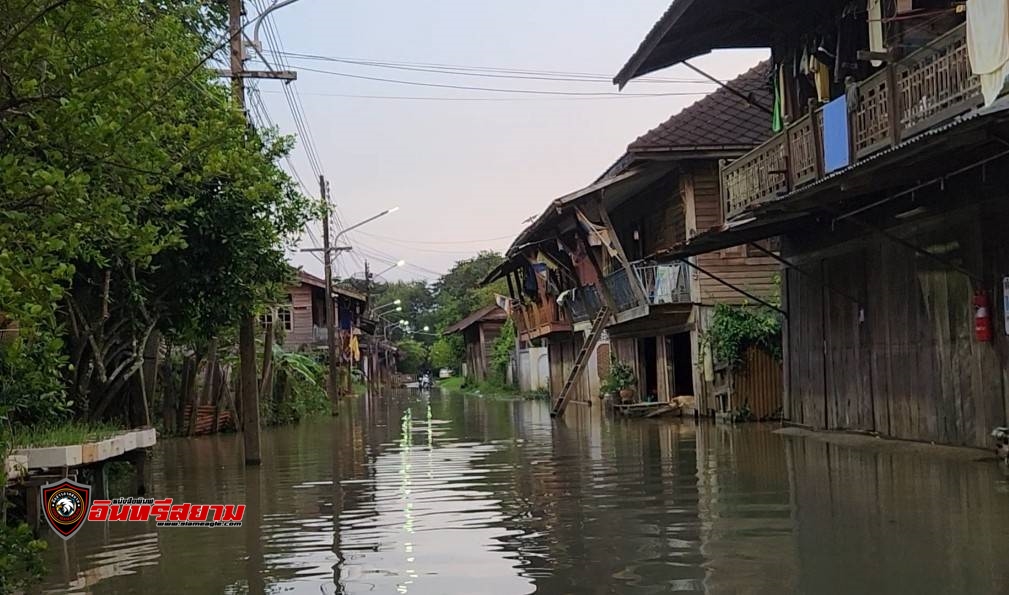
{"x": 76, "y": 455}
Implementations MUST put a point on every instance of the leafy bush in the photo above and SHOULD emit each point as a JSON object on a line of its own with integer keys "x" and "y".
{"x": 21, "y": 562}
{"x": 736, "y": 328}
{"x": 621, "y": 376}
{"x": 31, "y": 389}
{"x": 501, "y": 354}
{"x": 299, "y": 389}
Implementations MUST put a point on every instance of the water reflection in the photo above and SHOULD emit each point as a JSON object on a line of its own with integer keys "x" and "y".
{"x": 464, "y": 495}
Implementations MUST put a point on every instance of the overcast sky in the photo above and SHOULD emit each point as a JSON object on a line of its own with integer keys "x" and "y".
{"x": 465, "y": 173}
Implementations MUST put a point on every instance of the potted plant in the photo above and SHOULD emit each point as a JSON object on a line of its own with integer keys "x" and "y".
{"x": 620, "y": 381}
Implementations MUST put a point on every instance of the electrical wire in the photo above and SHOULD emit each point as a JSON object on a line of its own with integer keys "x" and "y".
{"x": 387, "y": 238}
{"x": 621, "y": 96}
{"x": 493, "y": 89}
{"x": 486, "y": 72}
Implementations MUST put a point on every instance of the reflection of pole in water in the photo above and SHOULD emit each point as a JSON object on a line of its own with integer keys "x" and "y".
{"x": 405, "y": 493}
{"x": 252, "y": 526}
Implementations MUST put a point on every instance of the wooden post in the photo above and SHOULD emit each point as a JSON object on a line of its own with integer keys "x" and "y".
{"x": 266, "y": 380}
{"x": 632, "y": 276}
{"x": 250, "y": 391}
{"x": 601, "y": 285}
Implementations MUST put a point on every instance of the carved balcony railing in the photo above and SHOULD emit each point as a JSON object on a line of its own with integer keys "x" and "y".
{"x": 927, "y": 88}
{"x": 538, "y": 319}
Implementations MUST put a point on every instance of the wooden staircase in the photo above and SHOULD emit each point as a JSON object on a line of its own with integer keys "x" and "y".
{"x": 598, "y": 324}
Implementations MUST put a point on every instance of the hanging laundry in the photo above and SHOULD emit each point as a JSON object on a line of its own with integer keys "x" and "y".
{"x": 852, "y": 35}
{"x": 666, "y": 280}
{"x": 988, "y": 44}
{"x": 821, "y": 78}
{"x": 355, "y": 349}
{"x": 530, "y": 286}
{"x": 777, "y": 110}
{"x": 876, "y": 40}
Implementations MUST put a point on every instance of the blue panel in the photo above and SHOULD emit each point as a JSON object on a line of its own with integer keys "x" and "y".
{"x": 836, "y": 151}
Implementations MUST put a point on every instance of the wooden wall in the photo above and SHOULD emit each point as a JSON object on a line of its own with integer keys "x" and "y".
{"x": 742, "y": 266}
{"x": 563, "y": 350}
{"x": 657, "y": 214}
{"x": 303, "y": 311}
{"x": 479, "y": 339}
{"x": 759, "y": 385}
{"x": 902, "y": 359}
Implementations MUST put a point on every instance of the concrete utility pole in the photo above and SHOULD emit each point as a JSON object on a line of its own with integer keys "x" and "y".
{"x": 332, "y": 384}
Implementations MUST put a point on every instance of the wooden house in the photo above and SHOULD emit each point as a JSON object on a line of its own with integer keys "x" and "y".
{"x": 479, "y": 331}
{"x": 301, "y": 319}
{"x": 587, "y": 278}
{"x": 886, "y": 182}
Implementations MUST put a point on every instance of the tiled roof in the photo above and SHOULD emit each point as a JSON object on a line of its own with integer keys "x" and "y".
{"x": 721, "y": 120}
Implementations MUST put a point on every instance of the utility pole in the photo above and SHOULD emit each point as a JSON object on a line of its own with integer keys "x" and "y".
{"x": 333, "y": 384}
{"x": 367, "y": 363}
{"x": 247, "y": 328}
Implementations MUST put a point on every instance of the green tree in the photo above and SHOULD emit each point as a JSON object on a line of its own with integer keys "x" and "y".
{"x": 133, "y": 197}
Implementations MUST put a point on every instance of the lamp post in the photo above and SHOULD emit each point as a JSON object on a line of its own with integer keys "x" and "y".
{"x": 330, "y": 249}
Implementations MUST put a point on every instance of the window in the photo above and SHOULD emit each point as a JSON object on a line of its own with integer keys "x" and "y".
{"x": 283, "y": 315}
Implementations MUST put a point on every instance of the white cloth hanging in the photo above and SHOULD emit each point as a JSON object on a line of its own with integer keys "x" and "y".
{"x": 876, "y": 41}
{"x": 988, "y": 44}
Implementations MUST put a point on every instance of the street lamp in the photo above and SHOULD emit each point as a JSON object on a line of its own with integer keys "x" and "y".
{"x": 398, "y": 264}
{"x": 392, "y": 306}
{"x": 329, "y": 248}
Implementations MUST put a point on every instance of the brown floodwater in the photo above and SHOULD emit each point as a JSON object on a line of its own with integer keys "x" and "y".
{"x": 451, "y": 494}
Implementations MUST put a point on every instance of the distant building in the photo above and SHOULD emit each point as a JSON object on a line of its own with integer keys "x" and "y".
{"x": 302, "y": 317}
{"x": 604, "y": 249}
{"x": 479, "y": 330}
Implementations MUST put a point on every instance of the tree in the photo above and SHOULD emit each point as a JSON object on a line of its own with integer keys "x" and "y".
{"x": 133, "y": 197}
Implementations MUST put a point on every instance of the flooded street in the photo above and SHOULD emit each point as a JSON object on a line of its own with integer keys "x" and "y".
{"x": 469, "y": 495}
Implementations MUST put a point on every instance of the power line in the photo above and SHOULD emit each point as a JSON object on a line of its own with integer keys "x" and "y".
{"x": 492, "y": 89}
{"x": 496, "y": 99}
{"x": 387, "y": 238}
{"x": 486, "y": 72}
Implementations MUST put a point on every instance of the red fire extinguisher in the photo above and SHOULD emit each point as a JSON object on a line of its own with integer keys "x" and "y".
{"x": 982, "y": 317}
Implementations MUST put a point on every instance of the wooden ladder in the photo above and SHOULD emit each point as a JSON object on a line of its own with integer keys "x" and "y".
{"x": 598, "y": 324}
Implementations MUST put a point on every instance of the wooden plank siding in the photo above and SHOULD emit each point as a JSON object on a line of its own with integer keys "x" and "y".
{"x": 903, "y": 362}
{"x": 563, "y": 352}
{"x": 742, "y": 266}
{"x": 303, "y": 311}
{"x": 759, "y": 384}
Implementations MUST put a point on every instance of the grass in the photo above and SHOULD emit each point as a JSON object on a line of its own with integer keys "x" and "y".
{"x": 65, "y": 434}
{"x": 453, "y": 384}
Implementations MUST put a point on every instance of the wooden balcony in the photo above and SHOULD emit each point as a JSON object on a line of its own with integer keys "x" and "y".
{"x": 661, "y": 284}
{"x": 584, "y": 304}
{"x": 927, "y": 88}
{"x": 539, "y": 319}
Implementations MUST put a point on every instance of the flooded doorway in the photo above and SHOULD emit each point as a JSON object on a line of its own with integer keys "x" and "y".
{"x": 682, "y": 368}
{"x": 648, "y": 351}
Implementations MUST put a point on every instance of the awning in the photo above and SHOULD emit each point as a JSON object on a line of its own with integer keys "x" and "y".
{"x": 694, "y": 27}
{"x": 504, "y": 269}
{"x": 736, "y": 233}
{"x": 613, "y": 190}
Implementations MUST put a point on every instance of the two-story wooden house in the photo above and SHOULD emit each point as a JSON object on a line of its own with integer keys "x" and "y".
{"x": 301, "y": 319}
{"x": 584, "y": 276}
{"x": 886, "y": 180}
